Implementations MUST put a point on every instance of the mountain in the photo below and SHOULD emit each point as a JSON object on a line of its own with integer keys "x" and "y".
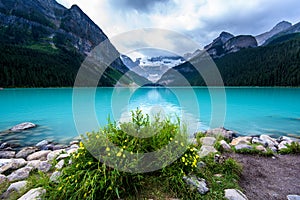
{"x": 152, "y": 68}
{"x": 276, "y": 64}
{"x": 292, "y": 30}
{"x": 43, "y": 44}
{"x": 215, "y": 48}
{"x": 280, "y": 27}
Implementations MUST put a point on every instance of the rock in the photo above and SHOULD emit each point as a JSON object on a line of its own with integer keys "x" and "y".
{"x": 43, "y": 166}
{"x": 221, "y": 132}
{"x": 23, "y": 126}
{"x": 60, "y": 164}
{"x": 19, "y": 174}
{"x": 241, "y": 140}
{"x": 201, "y": 164}
{"x": 293, "y": 197}
{"x": 74, "y": 142}
{"x": 270, "y": 141}
{"x": 74, "y": 146}
{"x": 54, "y": 177}
{"x": 40, "y": 155}
{"x": 206, "y": 150}
{"x": 261, "y": 148}
{"x": 33, "y": 194}
{"x": 70, "y": 151}
{"x": 198, "y": 183}
{"x": 48, "y": 147}
{"x": 17, "y": 186}
{"x": 256, "y": 140}
{"x": 42, "y": 143}
{"x": 58, "y": 147}
{"x": 243, "y": 146}
{"x": 11, "y": 164}
{"x": 26, "y": 151}
{"x": 284, "y": 138}
{"x": 208, "y": 141}
{"x": 52, "y": 155}
{"x": 62, "y": 156}
{"x": 4, "y": 145}
{"x": 7, "y": 154}
{"x": 233, "y": 194}
{"x": 225, "y": 146}
{"x": 219, "y": 158}
{"x": 283, "y": 144}
{"x": 3, "y": 178}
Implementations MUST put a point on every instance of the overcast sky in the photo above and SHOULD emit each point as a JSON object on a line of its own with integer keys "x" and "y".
{"x": 200, "y": 20}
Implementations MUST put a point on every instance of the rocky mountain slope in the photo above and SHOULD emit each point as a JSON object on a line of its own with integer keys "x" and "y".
{"x": 61, "y": 38}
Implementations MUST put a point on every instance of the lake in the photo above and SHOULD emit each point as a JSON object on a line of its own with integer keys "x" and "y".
{"x": 59, "y": 111}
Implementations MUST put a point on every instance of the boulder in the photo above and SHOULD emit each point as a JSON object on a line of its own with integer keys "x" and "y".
{"x": 54, "y": 177}
{"x": 241, "y": 140}
{"x": 256, "y": 140}
{"x": 7, "y": 154}
{"x": 293, "y": 197}
{"x": 3, "y": 178}
{"x": 19, "y": 174}
{"x": 270, "y": 141}
{"x": 284, "y": 138}
{"x": 206, "y": 150}
{"x": 60, "y": 164}
{"x": 283, "y": 144}
{"x": 43, "y": 166}
{"x": 22, "y": 126}
{"x": 225, "y": 146}
{"x": 33, "y": 194}
{"x": 58, "y": 147}
{"x": 243, "y": 146}
{"x": 42, "y": 143}
{"x": 208, "y": 141}
{"x": 74, "y": 142}
{"x": 261, "y": 148}
{"x": 197, "y": 183}
{"x": 17, "y": 186}
{"x": 11, "y": 164}
{"x": 233, "y": 194}
{"x": 4, "y": 145}
{"x": 40, "y": 155}
{"x": 54, "y": 154}
{"x": 221, "y": 132}
{"x": 26, "y": 151}
{"x": 63, "y": 156}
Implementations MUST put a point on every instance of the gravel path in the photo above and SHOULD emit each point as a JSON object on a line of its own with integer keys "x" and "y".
{"x": 268, "y": 178}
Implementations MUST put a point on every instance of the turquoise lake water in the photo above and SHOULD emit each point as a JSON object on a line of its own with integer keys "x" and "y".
{"x": 248, "y": 111}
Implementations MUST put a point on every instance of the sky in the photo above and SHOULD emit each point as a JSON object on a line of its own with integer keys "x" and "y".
{"x": 199, "y": 20}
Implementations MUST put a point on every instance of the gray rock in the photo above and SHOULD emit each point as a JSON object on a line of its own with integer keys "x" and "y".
{"x": 208, "y": 141}
{"x": 233, "y": 194}
{"x": 243, "y": 146}
{"x": 293, "y": 197}
{"x": 206, "y": 150}
{"x": 198, "y": 183}
{"x": 40, "y": 155}
{"x": 4, "y": 145}
{"x": 256, "y": 140}
{"x": 58, "y": 147}
{"x": 284, "y": 143}
{"x": 70, "y": 151}
{"x": 60, "y": 164}
{"x": 3, "y": 178}
{"x": 74, "y": 142}
{"x": 11, "y": 164}
{"x": 33, "y": 194}
{"x": 17, "y": 186}
{"x": 19, "y": 174}
{"x": 23, "y": 126}
{"x": 284, "y": 138}
{"x": 63, "y": 156}
{"x": 43, "y": 166}
{"x": 7, "y": 154}
{"x": 225, "y": 146}
{"x": 74, "y": 146}
{"x": 55, "y": 176}
{"x": 42, "y": 143}
{"x": 241, "y": 140}
{"x": 54, "y": 154}
{"x": 26, "y": 151}
{"x": 221, "y": 132}
{"x": 201, "y": 164}
{"x": 270, "y": 141}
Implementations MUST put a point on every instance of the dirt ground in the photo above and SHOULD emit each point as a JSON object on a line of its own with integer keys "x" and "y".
{"x": 269, "y": 178}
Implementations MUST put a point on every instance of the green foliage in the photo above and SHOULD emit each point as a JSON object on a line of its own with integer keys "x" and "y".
{"x": 293, "y": 148}
{"x": 254, "y": 151}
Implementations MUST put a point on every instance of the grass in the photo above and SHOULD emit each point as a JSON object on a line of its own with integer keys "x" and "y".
{"x": 293, "y": 148}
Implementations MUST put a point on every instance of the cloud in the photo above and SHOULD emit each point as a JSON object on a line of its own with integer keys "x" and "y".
{"x": 201, "y": 20}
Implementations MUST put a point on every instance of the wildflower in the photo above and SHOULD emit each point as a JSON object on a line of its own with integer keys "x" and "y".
{"x": 126, "y": 140}
{"x": 122, "y": 150}
{"x": 119, "y": 154}
{"x": 97, "y": 136}
{"x": 59, "y": 189}
{"x": 182, "y": 144}
{"x": 176, "y": 142}
{"x": 84, "y": 196}
{"x": 81, "y": 144}
{"x": 124, "y": 147}
{"x": 109, "y": 188}
{"x": 171, "y": 139}
{"x": 77, "y": 165}
{"x": 183, "y": 159}
{"x": 108, "y": 154}
{"x": 89, "y": 163}
{"x": 107, "y": 149}
{"x": 131, "y": 152}
{"x": 124, "y": 155}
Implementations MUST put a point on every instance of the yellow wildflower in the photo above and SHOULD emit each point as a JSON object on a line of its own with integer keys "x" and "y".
{"x": 107, "y": 149}
{"x": 77, "y": 165}
{"x": 119, "y": 154}
{"x": 89, "y": 163}
{"x": 171, "y": 139}
{"x": 59, "y": 189}
{"x": 183, "y": 159}
{"x": 181, "y": 144}
{"x": 108, "y": 154}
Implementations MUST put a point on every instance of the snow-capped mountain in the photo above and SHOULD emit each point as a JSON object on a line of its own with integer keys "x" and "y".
{"x": 152, "y": 68}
